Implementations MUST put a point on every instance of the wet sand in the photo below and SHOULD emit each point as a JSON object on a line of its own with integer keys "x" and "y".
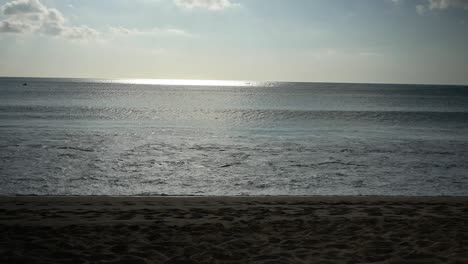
{"x": 233, "y": 230}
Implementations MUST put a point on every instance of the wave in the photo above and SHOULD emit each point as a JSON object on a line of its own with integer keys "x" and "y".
{"x": 235, "y": 115}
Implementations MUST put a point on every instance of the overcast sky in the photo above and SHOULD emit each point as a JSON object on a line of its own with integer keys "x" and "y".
{"x": 396, "y": 41}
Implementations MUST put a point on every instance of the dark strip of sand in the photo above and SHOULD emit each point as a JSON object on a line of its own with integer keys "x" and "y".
{"x": 274, "y": 229}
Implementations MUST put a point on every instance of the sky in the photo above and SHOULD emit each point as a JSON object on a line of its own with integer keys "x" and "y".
{"x": 367, "y": 41}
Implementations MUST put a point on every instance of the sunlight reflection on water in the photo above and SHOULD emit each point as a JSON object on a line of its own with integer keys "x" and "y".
{"x": 186, "y": 82}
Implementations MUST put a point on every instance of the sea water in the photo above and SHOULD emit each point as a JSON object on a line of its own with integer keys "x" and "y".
{"x": 124, "y": 137}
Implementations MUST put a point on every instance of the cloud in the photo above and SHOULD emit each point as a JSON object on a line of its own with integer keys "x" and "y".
{"x": 444, "y": 4}
{"x": 120, "y": 30}
{"x": 438, "y": 4}
{"x": 12, "y": 26}
{"x": 441, "y": 5}
{"x": 81, "y": 32}
{"x": 148, "y": 32}
{"x": 421, "y": 9}
{"x": 31, "y": 16}
{"x": 213, "y": 5}
{"x": 23, "y": 7}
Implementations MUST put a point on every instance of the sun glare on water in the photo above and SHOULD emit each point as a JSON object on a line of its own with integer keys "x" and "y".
{"x": 186, "y": 82}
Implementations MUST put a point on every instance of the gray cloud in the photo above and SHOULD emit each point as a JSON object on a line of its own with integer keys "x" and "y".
{"x": 438, "y": 4}
{"x": 7, "y": 26}
{"x": 444, "y": 4}
{"x": 441, "y": 5}
{"x": 421, "y": 9}
{"x": 26, "y": 16}
{"x": 23, "y": 7}
{"x": 212, "y": 5}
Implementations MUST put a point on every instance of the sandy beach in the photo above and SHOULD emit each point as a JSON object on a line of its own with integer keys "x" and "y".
{"x": 233, "y": 230}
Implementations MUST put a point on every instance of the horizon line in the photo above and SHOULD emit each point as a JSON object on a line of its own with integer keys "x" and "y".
{"x": 215, "y": 82}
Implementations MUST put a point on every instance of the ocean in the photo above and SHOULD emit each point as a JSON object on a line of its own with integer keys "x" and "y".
{"x": 131, "y": 137}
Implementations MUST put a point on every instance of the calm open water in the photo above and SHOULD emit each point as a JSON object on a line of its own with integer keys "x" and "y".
{"x": 94, "y": 137}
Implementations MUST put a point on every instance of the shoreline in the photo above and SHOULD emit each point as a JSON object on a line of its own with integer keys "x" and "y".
{"x": 240, "y": 199}
{"x": 222, "y": 229}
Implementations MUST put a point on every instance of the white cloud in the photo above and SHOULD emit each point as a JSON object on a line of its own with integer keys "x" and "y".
{"x": 31, "y": 16}
{"x": 213, "y": 5}
{"x": 148, "y": 32}
{"x": 25, "y": 16}
{"x": 81, "y": 32}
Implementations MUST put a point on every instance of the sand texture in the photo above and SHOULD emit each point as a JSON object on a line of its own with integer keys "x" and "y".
{"x": 233, "y": 230}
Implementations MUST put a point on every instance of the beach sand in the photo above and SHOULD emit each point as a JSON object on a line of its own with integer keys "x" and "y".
{"x": 233, "y": 230}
